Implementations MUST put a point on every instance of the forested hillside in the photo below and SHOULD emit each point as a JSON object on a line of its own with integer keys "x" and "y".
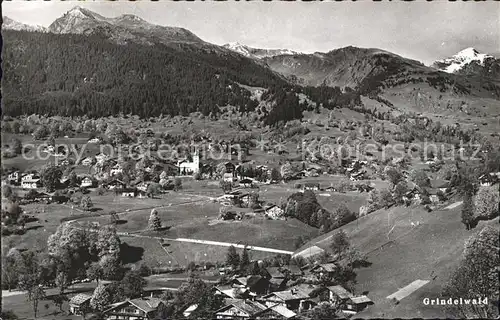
{"x": 73, "y": 75}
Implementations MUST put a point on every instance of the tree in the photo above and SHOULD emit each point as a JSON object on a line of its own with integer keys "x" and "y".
{"x": 322, "y": 311}
{"x": 101, "y": 298}
{"x": 62, "y": 280}
{"x": 108, "y": 242}
{"x": 339, "y": 243}
{"x": 113, "y": 217}
{"x": 94, "y": 272}
{"x": 153, "y": 189}
{"x": 421, "y": 179}
{"x": 154, "y": 222}
{"x": 51, "y": 177}
{"x": 400, "y": 191}
{"x": 275, "y": 175}
{"x": 16, "y": 146}
{"x": 73, "y": 179}
{"x": 40, "y": 132}
{"x": 133, "y": 284}
{"x": 232, "y": 258}
{"x": 37, "y": 294}
{"x": 8, "y": 315}
{"x": 7, "y": 192}
{"x": 394, "y": 175}
{"x": 86, "y": 203}
{"x": 177, "y": 184}
{"x": 226, "y": 186}
{"x": 486, "y": 202}
{"x": 468, "y": 211}
{"x": 477, "y": 276}
{"x": 245, "y": 259}
{"x": 29, "y": 279}
{"x": 286, "y": 172}
{"x": 9, "y": 271}
{"x": 59, "y": 300}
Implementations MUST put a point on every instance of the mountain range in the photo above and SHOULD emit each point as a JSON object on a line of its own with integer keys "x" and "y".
{"x": 389, "y": 78}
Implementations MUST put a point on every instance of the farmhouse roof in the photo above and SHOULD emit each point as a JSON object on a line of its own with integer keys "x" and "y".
{"x": 80, "y": 299}
{"x": 328, "y": 267}
{"x": 439, "y": 183}
{"x": 341, "y": 292}
{"x": 247, "y": 306}
{"x": 287, "y": 295}
{"x": 284, "y": 311}
{"x": 361, "y": 299}
{"x": 274, "y": 272}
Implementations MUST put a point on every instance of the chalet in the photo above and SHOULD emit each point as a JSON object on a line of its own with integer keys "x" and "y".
{"x": 433, "y": 194}
{"x": 87, "y": 162}
{"x": 142, "y": 186}
{"x": 228, "y": 176}
{"x": 338, "y": 294}
{"x": 14, "y": 177}
{"x": 87, "y": 182}
{"x": 356, "y": 304}
{"x": 230, "y": 292}
{"x": 230, "y": 167}
{"x": 94, "y": 140}
{"x": 189, "y": 167}
{"x": 115, "y": 184}
{"x": 292, "y": 299}
{"x": 488, "y": 179}
{"x": 116, "y": 169}
{"x": 346, "y": 300}
{"x": 311, "y": 186}
{"x": 101, "y": 158}
{"x": 230, "y": 215}
{"x": 254, "y": 284}
{"x": 141, "y": 194}
{"x": 30, "y": 181}
{"x": 245, "y": 199}
{"x": 324, "y": 269}
{"x": 274, "y": 212}
{"x": 277, "y": 284}
{"x": 240, "y": 309}
{"x": 246, "y": 182}
{"x": 79, "y": 304}
{"x": 186, "y": 313}
{"x": 292, "y": 270}
{"x": 274, "y": 272}
{"x": 127, "y": 192}
{"x": 440, "y": 184}
{"x": 136, "y": 309}
{"x": 361, "y": 175}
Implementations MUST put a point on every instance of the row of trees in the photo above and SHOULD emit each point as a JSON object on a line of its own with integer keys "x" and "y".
{"x": 305, "y": 207}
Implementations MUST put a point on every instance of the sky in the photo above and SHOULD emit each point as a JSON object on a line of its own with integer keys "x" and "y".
{"x": 425, "y": 31}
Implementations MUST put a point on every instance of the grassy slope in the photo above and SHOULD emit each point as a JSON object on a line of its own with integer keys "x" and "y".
{"x": 429, "y": 251}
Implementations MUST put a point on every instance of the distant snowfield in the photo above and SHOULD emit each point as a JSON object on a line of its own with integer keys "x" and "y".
{"x": 409, "y": 289}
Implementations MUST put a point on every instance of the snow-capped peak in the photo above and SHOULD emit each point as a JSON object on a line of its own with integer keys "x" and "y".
{"x": 9, "y": 24}
{"x": 257, "y": 53}
{"x": 461, "y": 59}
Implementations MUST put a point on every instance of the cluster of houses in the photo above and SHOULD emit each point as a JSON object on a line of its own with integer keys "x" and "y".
{"x": 278, "y": 293}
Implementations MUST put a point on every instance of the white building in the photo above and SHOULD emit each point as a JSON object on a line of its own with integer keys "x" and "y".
{"x": 116, "y": 170}
{"x": 274, "y": 212}
{"x": 87, "y": 162}
{"x": 189, "y": 168}
{"x": 30, "y": 181}
{"x": 87, "y": 182}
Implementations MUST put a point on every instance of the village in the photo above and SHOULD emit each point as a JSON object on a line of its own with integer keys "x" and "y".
{"x": 235, "y": 201}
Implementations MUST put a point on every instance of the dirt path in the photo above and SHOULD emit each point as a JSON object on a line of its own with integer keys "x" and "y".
{"x": 208, "y": 242}
{"x": 454, "y": 205}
